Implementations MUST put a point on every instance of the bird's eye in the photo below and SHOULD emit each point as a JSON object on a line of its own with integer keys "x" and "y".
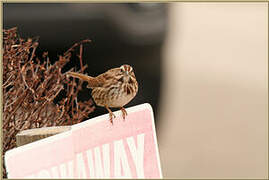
{"x": 121, "y": 70}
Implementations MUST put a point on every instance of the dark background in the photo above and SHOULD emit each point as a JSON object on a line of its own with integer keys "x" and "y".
{"x": 131, "y": 33}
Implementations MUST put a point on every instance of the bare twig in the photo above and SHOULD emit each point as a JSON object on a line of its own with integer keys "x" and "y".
{"x": 30, "y": 86}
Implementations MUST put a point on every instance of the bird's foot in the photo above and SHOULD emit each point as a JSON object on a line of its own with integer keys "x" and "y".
{"x": 111, "y": 115}
{"x": 124, "y": 112}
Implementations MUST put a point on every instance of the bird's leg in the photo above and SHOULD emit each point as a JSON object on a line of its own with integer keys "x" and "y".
{"x": 111, "y": 115}
{"x": 124, "y": 112}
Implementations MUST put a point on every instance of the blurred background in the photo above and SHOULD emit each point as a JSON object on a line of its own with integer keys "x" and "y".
{"x": 202, "y": 66}
{"x": 131, "y": 33}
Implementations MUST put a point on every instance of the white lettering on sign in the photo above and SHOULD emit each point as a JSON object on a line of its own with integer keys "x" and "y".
{"x": 55, "y": 172}
{"x": 101, "y": 172}
{"x": 97, "y": 164}
{"x": 137, "y": 154}
{"x": 64, "y": 173}
{"x": 90, "y": 163}
{"x": 81, "y": 170}
{"x": 121, "y": 161}
{"x": 43, "y": 174}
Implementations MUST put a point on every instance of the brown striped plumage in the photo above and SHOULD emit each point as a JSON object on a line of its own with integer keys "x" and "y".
{"x": 114, "y": 88}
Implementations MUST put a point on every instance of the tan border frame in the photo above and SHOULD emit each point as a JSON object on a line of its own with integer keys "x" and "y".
{"x": 100, "y": 1}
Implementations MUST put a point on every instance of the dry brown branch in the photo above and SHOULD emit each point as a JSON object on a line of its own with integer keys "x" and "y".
{"x": 30, "y": 85}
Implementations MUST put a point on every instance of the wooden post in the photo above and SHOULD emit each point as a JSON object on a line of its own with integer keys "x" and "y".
{"x": 31, "y": 135}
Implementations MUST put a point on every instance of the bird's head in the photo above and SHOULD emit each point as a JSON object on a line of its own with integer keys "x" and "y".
{"x": 127, "y": 72}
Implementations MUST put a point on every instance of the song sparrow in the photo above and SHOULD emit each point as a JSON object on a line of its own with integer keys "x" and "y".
{"x": 114, "y": 88}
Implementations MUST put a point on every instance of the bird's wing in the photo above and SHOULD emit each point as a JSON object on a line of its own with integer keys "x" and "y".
{"x": 108, "y": 78}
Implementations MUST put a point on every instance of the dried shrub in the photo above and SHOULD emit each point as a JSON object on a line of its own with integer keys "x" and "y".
{"x": 30, "y": 86}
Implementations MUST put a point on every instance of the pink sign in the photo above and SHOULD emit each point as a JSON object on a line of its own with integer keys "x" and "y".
{"x": 93, "y": 149}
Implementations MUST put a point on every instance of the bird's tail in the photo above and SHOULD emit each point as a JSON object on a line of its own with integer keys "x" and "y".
{"x": 92, "y": 81}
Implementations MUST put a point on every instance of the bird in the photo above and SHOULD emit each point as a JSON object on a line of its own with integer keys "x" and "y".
{"x": 112, "y": 89}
